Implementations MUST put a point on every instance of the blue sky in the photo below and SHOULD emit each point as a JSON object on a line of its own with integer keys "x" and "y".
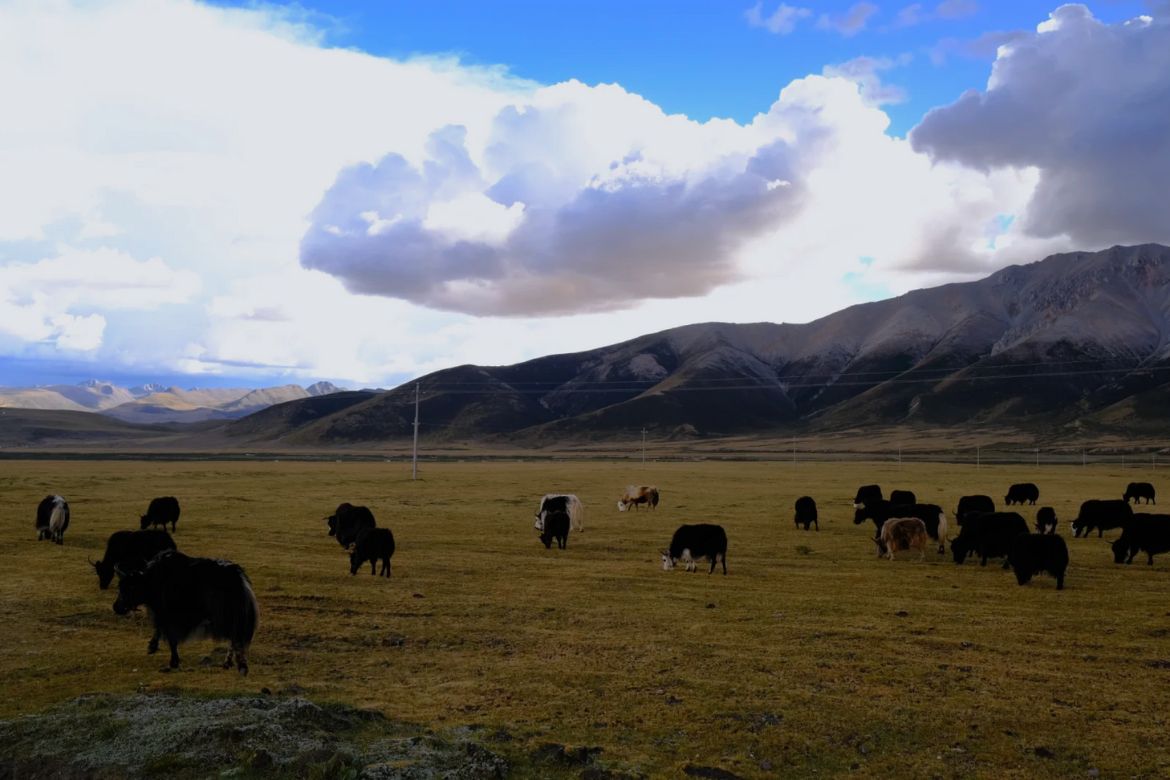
{"x": 699, "y": 58}
{"x": 250, "y": 194}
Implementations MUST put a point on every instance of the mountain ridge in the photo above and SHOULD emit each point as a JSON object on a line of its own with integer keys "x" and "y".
{"x": 1046, "y": 343}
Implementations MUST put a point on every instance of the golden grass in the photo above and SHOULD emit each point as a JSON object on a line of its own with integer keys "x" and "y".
{"x": 811, "y": 656}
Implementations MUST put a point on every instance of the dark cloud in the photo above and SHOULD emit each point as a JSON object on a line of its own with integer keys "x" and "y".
{"x": 1088, "y": 105}
{"x": 607, "y": 245}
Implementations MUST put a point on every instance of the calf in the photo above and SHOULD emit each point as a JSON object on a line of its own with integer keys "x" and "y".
{"x": 1034, "y": 553}
{"x": 348, "y": 521}
{"x": 1045, "y": 520}
{"x": 556, "y": 526}
{"x": 192, "y": 597}
{"x": 1139, "y": 490}
{"x": 635, "y": 496}
{"x": 903, "y": 497}
{"x": 1102, "y": 515}
{"x": 806, "y": 512}
{"x": 560, "y": 502}
{"x": 931, "y": 516}
{"x": 988, "y": 535}
{"x": 52, "y": 519}
{"x": 902, "y": 533}
{"x": 867, "y": 494}
{"x": 1144, "y": 533}
{"x": 161, "y": 511}
{"x": 968, "y": 504}
{"x": 691, "y": 542}
{"x": 373, "y": 545}
{"x": 130, "y": 550}
{"x": 1022, "y": 492}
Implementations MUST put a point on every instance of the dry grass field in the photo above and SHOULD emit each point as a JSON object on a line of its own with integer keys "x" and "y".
{"x": 812, "y": 656}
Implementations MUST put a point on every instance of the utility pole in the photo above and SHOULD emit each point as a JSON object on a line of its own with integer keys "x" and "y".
{"x": 414, "y": 460}
{"x": 1037, "y": 457}
{"x": 1083, "y": 460}
{"x": 643, "y": 444}
{"x": 976, "y": 456}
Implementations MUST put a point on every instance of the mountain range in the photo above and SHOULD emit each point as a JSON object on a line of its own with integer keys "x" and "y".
{"x": 1074, "y": 343}
{"x": 153, "y": 403}
{"x": 1074, "y": 340}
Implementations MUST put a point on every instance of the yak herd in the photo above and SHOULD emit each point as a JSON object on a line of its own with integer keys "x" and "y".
{"x": 189, "y": 597}
{"x": 902, "y": 523}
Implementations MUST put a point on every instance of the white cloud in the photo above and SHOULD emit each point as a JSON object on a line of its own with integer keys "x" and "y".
{"x": 851, "y": 22}
{"x": 1085, "y": 103}
{"x": 204, "y": 138}
{"x": 38, "y": 300}
{"x": 865, "y": 72}
{"x": 781, "y": 21}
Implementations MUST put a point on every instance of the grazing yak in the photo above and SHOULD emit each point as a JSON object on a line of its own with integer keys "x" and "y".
{"x": 988, "y": 535}
{"x": 1102, "y": 515}
{"x": 902, "y": 533}
{"x": 931, "y": 516}
{"x": 348, "y": 521}
{"x": 1045, "y": 520}
{"x": 692, "y": 542}
{"x": 903, "y": 497}
{"x": 1139, "y": 490}
{"x": 373, "y": 545}
{"x": 867, "y": 494}
{"x": 968, "y": 504}
{"x": 130, "y": 550}
{"x": 556, "y": 526}
{"x": 806, "y": 513}
{"x": 1143, "y": 533}
{"x": 560, "y": 502}
{"x": 1034, "y": 553}
{"x": 1022, "y": 492}
{"x": 162, "y": 510}
{"x": 636, "y": 495}
{"x": 192, "y": 597}
{"x": 52, "y": 519}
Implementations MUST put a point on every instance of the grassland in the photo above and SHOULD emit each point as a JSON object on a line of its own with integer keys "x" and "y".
{"x": 811, "y": 657}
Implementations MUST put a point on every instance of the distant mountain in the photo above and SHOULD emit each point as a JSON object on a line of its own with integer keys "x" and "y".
{"x": 154, "y": 403}
{"x": 1075, "y": 339}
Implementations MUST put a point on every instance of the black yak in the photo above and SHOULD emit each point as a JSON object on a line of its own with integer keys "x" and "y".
{"x": 193, "y": 597}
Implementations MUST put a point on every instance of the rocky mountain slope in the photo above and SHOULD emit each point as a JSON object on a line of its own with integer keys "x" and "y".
{"x": 1078, "y": 338}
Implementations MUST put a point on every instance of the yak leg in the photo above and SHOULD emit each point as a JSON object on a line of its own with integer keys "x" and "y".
{"x": 152, "y": 646}
{"x": 373, "y": 566}
{"x": 241, "y": 661}
{"x": 174, "y": 643}
{"x": 227, "y": 662}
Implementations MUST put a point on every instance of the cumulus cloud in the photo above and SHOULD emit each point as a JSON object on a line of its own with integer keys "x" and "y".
{"x": 866, "y": 72}
{"x": 584, "y": 199}
{"x": 851, "y": 22}
{"x": 1088, "y": 105}
{"x": 457, "y": 187}
{"x": 781, "y": 21}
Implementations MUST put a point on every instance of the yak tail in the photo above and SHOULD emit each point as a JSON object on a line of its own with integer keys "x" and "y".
{"x": 942, "y": 530}
{"x": 60, "y": 517}
{"x": 576, "y": 512}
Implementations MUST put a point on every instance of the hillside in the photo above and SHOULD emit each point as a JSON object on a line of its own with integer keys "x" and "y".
{"x": 1078, "y": 338}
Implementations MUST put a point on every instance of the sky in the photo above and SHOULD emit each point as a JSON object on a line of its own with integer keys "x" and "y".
{"x": 211, "y": 194}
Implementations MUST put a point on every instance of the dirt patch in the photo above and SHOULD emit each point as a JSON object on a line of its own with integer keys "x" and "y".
{"x": 102, "y": 736}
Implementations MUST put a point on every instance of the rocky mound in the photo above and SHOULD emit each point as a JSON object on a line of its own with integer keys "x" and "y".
{"x": 106, "y": 736}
